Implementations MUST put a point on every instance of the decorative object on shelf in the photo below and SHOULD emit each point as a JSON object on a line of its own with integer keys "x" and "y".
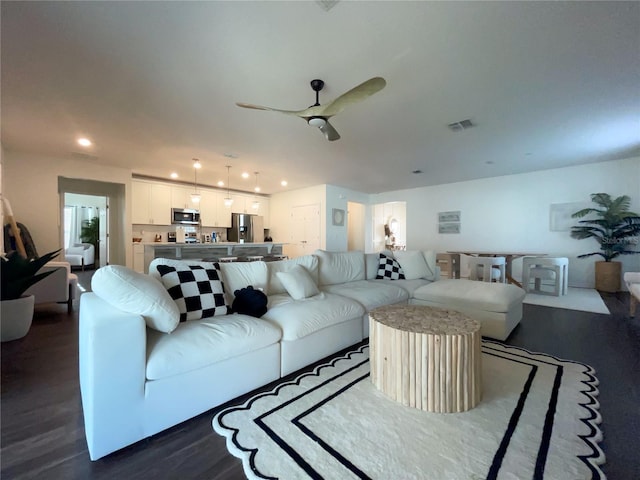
{"x": 616, "y": 229}
{"x": 256, "y": 203}
{"x": 228, "y": 201}
{"x": 449, "y": 222}
{"x": 337, "y": 217}
{"x": 16, "y": 276}
{"x": 195, "y": 197}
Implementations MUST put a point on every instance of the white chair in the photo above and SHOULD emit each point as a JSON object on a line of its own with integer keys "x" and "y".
{"x": 555, "y": 269}
{"x": 59, "y": 287}
{"x": 80, "y": 255}
{"x": 488, "y": 269}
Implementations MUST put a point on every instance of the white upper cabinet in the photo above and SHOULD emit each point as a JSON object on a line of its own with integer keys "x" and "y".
{"x": 151, "y": 203}
{"x": 181, "y": 197}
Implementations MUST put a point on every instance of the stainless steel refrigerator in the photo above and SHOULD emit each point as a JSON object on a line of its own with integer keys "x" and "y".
{"x": 246, "y": 228}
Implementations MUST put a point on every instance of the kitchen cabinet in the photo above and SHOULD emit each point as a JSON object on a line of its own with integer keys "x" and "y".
{"x": 151, "y": 203}
{"x": 138, "y": 257}
{"x": 181, "y": 197}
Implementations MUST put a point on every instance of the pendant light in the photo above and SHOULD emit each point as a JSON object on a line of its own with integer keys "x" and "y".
{"x": 228, "y": 201}
{"x": 256, "y": 203}
{"x": 195, "y": 197}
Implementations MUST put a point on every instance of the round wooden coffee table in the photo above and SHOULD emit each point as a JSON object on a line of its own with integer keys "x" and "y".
{"x": 426, "y": 357}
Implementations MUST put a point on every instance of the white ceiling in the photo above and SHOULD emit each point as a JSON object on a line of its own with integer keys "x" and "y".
{"x": 154, "y": 84}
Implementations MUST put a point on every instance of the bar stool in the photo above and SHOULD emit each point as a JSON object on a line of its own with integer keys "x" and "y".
{"x": 227, "y": 259}
{"x": 545, "y": 268}
{"x": 488, "y": 269}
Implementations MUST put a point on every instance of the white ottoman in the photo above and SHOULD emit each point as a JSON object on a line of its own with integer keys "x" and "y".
{"x": 497, "y": 306}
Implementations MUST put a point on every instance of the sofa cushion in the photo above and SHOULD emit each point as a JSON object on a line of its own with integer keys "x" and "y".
{"x": 197, "y": 290}
{"x": 199, "y": 343}
{"x": 370, "y": 293}
{"x": 298, "y": 283}
{"x": 372, "y": 260}
{"x": 299, "y": 318}
{"x": 389, "y": 269}
{"x": 409, "y": 286}
{"x": 490, "y": 297}
{"x": 237, "y": 275}
{"x": 137, "y": 293}
{"x": 417, "y": 264}
{"x": 309, "y": 262}
{"x": 339, "y": 267}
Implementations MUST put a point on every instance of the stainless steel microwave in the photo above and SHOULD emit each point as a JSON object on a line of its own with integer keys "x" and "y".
{"x": 185, "y": 216}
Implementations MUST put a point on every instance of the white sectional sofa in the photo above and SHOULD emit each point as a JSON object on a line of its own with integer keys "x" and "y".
{"x": 142, "y": 371}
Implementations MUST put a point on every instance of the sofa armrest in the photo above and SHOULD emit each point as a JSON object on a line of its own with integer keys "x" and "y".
{"x": 112, "y": 346}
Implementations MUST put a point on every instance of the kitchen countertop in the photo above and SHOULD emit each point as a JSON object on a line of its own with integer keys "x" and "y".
{"x": 215, "y": 244}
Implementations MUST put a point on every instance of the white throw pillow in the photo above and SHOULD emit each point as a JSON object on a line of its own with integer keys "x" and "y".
{"x": 137, "y": 293}
{"x": 310, "y": 262}
{"x": 413, "y": 264}
{"x": 298, "y": 283}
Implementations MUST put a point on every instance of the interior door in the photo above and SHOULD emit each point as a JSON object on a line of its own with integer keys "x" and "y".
{"x": 305, "y": 230}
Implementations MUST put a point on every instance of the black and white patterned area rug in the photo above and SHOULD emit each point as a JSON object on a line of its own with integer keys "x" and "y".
{"x": 538, "y": 419}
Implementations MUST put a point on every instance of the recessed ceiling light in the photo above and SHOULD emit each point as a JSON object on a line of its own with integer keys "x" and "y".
{"x": 85, "y": 142}
{"x": 231, "y": 155}
{"x": 245, "y": 175}
{"x": 257, "y": 189}
{"x": 220, "y": 183}
{"x": 174, "y": 175}
{"x": 284, "y": 183}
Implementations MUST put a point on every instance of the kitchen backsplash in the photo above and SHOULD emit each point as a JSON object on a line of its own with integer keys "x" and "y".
{"x": 148, "y": 232}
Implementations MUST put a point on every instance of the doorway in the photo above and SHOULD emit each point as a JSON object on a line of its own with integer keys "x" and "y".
{"x": 112, "y": 228}
{"x": 355, "y": 226}
{"x": 86, "y": 221}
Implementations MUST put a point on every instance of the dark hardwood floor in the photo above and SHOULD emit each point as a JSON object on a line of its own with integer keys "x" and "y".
{"x": 42, "y": 433}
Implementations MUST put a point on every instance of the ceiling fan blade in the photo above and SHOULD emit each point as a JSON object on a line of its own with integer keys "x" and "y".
{"x": 259, "y": 107}
{"x": 330, "y": 133}
{"x": 356, "y": 94}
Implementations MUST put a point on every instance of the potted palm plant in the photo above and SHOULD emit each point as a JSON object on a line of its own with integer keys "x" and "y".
{"x": 17, "y": 274}
{"x": 616, "y": 229}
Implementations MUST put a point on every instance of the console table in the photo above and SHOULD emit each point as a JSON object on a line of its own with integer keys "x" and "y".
{"x": 426, "y": 357}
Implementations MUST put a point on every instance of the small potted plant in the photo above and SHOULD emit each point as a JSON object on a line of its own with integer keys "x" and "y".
{"x": 17, "y": 274}
{"x": 616, "y": 229}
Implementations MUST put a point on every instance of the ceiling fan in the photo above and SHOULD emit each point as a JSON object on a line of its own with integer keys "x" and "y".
{"x": 318, "y": 115}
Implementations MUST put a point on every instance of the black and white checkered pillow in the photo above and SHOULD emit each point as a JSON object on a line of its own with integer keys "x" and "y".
{"x": 389, "y": 269}
{"x": 198, "y": 291}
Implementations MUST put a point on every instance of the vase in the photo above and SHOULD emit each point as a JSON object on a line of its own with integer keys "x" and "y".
{"x": 608, "y": 276}
{"x": 16, "y": 317}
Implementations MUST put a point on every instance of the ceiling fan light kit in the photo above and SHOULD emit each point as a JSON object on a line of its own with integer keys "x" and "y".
{"x": 318, "y": 115}
{"x": 317, "y": 122}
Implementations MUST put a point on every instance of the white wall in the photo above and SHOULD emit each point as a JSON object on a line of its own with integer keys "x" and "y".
{"x": 31, "y": 185}
{"x": 511, "y": 213}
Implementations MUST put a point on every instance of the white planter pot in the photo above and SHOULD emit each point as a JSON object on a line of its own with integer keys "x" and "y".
{"x": 16, "y": 317}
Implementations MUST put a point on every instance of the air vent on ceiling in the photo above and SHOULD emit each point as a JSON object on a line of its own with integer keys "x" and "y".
{"x": 461, "y": 125}
{"x": 327, "y": 5}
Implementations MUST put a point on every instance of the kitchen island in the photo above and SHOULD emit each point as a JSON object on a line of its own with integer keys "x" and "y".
{"x": 208, "y": 251}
